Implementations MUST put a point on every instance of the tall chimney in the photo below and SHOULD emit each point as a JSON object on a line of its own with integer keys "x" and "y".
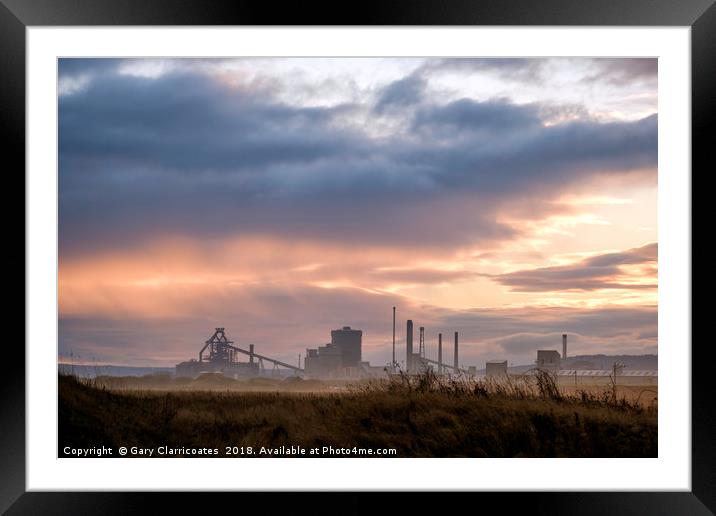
{"x": 421, "y": 349}
{"x": 440, "y": 353}
{"x": 392, "y": 364}
{"x": 456, "y": 366}
{"x": 564, "y": 346}
{"x": 409, "y": 346}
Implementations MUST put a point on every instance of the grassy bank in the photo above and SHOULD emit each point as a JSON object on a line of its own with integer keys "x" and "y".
{"x": 419, "y": 417}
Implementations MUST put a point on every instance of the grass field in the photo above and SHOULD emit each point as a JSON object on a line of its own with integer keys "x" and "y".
{"x": 421, "y": 416}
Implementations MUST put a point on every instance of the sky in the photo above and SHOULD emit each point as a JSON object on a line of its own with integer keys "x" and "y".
{"x": 510, "y": 199}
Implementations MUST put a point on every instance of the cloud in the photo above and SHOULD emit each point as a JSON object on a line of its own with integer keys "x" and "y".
{"x": 645, "y": 254}
{"x": 466, "y": 116}
{"x": 282, "y": 320}
{"x": 189, "y": 122}
{"x": 604, "y": 271}
{"x": 199, "y": 193}
{"x": 525, "y": 69}
{"x": 421, "y": 276}
{"x": 615, "y": 71}
{"x": 626, "y": 70}
{"x": 185, "y": 153}
{"x": 400, "y": 94}
{"x": 74, "y": 68}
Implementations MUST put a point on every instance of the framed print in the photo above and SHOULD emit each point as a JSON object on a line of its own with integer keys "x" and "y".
{"x": 420, "y": 249}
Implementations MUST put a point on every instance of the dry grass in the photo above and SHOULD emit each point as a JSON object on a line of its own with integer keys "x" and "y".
{"x": 421, "y": 416}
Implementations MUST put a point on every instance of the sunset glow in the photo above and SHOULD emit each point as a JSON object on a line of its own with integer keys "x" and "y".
{"x": 512, "y": 200}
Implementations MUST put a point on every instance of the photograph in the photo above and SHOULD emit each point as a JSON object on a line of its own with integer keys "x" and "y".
{"x": 409, "y": 249}
{"x": 357, "y": 257}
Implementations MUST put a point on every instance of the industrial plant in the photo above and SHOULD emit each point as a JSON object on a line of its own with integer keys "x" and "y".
{"x": 551, "y": 361}
{"x": 341, "y": 358}
{"x": 220, "y": 355}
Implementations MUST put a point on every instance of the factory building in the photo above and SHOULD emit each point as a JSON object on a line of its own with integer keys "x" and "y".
{"x": 348, "y": 341}
{"x": 548, "y": 359}
{"x": 496, "y": 368}
{"x": 323, "y": 361}
{"x": 341, "y": 358}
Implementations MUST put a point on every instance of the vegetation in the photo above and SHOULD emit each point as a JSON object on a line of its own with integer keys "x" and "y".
{"x": 419, "y": 416}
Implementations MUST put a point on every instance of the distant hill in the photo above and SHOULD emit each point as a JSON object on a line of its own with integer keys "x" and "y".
{"x": 92, "y": 371}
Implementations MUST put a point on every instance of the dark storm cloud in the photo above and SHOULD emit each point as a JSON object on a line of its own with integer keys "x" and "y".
{"x": 595, "y": 273}
{"x": 185, "y": 154}
{"x": 70, "y": 68}
{"x": 400, "y": 94}
{"x": 495, "y": 116}
{"x": 75, "y": 67}
{"x": 190, "y": 122}
{"x": 537, "y": 158}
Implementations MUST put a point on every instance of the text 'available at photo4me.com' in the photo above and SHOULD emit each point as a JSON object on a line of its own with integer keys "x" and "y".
{"x": 226, "y": 451}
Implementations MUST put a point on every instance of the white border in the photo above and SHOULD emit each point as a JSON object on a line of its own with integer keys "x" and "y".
{"x": 672, "y": 469}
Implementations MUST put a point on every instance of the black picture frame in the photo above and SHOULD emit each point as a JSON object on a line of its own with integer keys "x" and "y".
{"x": 17, "y": 15}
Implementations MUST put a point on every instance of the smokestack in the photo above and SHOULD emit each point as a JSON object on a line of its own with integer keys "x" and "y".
{"x": 456, "y": 366}
{"x": 564, "y": 346}
{"x": 421, "y": 350}
{"x": 251, "y": 353}
{"x": 392, "y": 364}
{"x": 440, "y": 353}
{"x": 409, "y": 346}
